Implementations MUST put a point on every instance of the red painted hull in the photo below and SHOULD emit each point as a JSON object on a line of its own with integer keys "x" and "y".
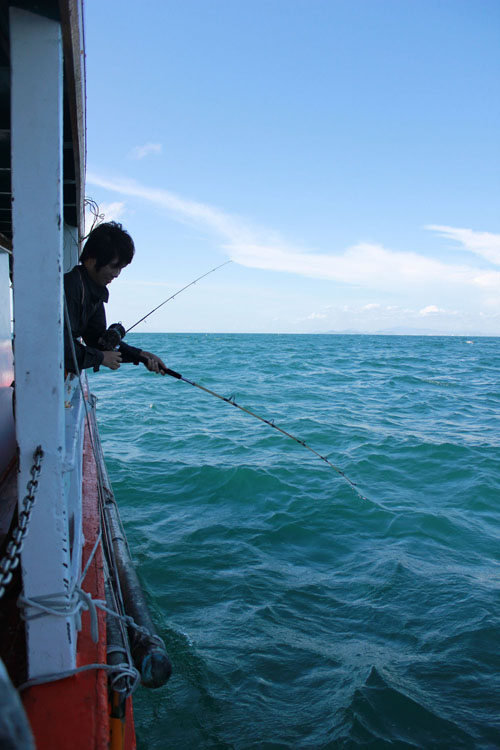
{"x": 74, "y": 713}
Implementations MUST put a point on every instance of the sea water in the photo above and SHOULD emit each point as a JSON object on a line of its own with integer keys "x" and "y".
{"x": 298, "y": 612}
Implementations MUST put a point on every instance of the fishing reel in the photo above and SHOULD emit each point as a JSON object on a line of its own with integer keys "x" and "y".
{"x": 112, "y": 338}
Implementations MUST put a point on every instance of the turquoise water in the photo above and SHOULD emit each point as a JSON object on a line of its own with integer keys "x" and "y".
{"x": 298, "y": 614}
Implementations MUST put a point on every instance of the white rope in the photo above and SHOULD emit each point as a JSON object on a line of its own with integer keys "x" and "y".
{"x": 121, "y": 670}
{"x": 91, "y": 557}
{"x": 72, "y": 605}
{"x": 64, "y": 605}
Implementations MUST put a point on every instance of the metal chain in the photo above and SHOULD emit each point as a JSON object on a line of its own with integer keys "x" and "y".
{"x": 11, "y": 558}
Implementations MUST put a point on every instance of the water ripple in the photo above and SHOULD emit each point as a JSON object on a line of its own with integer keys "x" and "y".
{"x": 297, "y": 613}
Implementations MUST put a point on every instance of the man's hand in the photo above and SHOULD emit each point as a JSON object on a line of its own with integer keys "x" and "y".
{"x": 153, "y": 363}
{"x": 111, "y": 360}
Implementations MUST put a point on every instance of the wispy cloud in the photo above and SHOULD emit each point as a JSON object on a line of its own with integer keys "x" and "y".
{"x": 316, "y": 316}
{"x": 139, "y": 152}
{"x": 365, "y": 265}
{"x": 431, "y": 310}
{"x": 484, "y": 244}
{"x": 112, "y": 211}
{"x": 182, "y": 209}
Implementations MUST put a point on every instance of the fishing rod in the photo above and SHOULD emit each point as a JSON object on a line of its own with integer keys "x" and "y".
{"x": 269, "y": 422}
{"x": 175, "y": 295}
{"x": 116, "y": 333}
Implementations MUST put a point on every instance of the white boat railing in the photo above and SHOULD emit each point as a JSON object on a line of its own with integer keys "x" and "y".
{"x": 74, "y": 412}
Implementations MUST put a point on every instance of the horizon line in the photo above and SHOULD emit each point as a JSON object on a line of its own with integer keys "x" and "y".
{"x": 319, "y": 333}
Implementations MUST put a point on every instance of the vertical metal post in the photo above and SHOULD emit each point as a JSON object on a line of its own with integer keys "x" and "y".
{"x": 37, "y": 140}
{"x": 7, "y": 437}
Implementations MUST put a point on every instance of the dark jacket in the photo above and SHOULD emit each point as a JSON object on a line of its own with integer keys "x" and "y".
{"x": 85, "y": 302}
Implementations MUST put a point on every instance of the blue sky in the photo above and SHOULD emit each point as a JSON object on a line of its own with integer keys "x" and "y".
{"x": 343, "y": 153}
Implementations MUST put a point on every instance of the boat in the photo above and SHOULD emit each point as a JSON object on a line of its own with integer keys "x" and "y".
{"x": 76, "y": 634}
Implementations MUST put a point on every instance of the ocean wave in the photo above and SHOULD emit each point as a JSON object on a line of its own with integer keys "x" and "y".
{"x": 300, "y": 612}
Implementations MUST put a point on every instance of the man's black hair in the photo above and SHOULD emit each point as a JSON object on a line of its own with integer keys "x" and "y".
{"x": 107, "y": 242}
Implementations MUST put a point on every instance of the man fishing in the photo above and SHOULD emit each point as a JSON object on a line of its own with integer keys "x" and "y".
{"x": 108, "y": 249}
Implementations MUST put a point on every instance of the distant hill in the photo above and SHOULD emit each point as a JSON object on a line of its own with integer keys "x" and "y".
{"x": 402, "y": 331}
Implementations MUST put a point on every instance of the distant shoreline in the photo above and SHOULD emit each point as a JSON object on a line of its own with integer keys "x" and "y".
{"x": 395, "y": 334}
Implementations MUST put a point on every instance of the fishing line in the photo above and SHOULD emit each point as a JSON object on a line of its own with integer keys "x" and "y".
{"x": 231, "y": 400}
{"x": 175, "y": 295}
{"x": 270, "y": 422}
